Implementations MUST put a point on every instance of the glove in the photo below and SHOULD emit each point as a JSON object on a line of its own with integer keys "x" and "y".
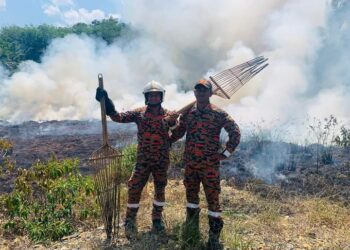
{"x": 171, "y": 120}
{"x": 100, "y": 93}
{"x": 110, "y": 109}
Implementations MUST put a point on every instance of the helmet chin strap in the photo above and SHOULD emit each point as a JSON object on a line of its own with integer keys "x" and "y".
{"x": 153, "y": 104}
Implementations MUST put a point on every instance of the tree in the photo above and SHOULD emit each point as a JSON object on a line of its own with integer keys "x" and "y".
{"x": 19, "y": 44}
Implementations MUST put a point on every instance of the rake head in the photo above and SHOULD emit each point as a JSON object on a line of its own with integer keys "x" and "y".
{"x": 227, "y": 82}
{"x": 104, "y": 156}
{"x": 106, "y": 162}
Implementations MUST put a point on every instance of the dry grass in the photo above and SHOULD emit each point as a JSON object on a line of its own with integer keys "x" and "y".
{"x": 252, "y": 221}
{"x": 299, "y": 222}
{"x": 255, "y": 221}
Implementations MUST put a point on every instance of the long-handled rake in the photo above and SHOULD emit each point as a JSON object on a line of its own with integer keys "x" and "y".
{"x": 227, "y": 82}
{"x": 106, "y": 162}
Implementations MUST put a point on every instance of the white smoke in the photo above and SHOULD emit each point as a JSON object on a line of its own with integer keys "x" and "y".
{"x": 2, "y": 4}
{"x": 181, "y": 41}
{"x": 63, "y": 85}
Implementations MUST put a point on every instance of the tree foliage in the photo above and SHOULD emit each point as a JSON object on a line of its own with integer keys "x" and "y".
{"x": 19, "y": 44}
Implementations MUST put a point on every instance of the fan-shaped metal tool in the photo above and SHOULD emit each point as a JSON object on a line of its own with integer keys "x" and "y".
{"x": 229, "y": 81}
{"x": 106, "y": 163}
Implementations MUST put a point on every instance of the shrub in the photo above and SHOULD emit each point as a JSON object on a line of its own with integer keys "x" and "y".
{"x": 176, "y": 155}
{"x": 6, "y": 163}
{"x": 49, "y": 200}
{"x": 128, "y": 160}
{"x": 343, "y": 139}
{"x": 324, "y": 133}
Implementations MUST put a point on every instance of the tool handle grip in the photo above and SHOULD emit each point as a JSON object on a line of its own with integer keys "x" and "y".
{"x": 103, "y": 112}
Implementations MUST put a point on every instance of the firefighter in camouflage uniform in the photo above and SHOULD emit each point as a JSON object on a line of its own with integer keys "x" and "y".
{"x": 202, "y": 125}
{"x": 152, "y": 153}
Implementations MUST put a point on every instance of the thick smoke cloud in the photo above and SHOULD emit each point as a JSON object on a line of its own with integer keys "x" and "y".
{"x": 181, "y": 41}
{"x": 331, "y": 75}
{"x": 63, "y": 85}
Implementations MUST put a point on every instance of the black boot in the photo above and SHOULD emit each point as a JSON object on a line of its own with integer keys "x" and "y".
{"x": 215, "y": 226}
{"x": 158, "y": 226}
{"x": 190, "y": 232}
{"x": 130, "y": 228}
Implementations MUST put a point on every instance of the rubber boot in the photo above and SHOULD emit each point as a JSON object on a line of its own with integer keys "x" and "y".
{"x": 130, "y": 228}
{"x": 130, "y": 223}
{"x": 191, "y": 233}
{"x": 215, "y": 227}
{"x": 158, "y": 226}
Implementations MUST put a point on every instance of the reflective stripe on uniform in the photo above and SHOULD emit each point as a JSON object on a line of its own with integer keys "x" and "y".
{"x": 158, "y": 203}
{"x": 136, "y": 205}
{"x": 192, "y": 205}
{"x": 214, "y": 214}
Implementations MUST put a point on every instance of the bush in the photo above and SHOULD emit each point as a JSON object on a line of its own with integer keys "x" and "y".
{"x": 344, "y": 139}
{"x": 176, "y": 155}
{"x": 49, "y": 200}
{"x": 324, "y": 133}
{"x": 327, "y": 157}
{"x": 128, "y": 160}
{"x": 6, "y": 163}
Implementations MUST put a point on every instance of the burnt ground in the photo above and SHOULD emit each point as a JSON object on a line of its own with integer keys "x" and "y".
{"x": 305, "y": 170}
{"x": 65, "y": 139}
{"x": 38, "y": 141}
{"x": 275, "y": 167}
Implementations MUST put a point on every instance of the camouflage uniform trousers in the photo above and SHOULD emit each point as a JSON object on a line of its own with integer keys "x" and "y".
{"x": 137, "y": 182}
{"x": 209, "y": 176}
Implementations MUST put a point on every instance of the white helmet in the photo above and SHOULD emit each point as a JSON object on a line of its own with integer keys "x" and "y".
{"x": 153, "y": 86}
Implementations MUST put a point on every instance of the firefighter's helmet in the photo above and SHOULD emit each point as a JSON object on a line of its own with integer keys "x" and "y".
{"x": 153, "y": 86}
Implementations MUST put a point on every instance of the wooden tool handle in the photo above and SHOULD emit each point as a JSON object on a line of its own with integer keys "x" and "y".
{"x": 182, "y": 111}
{"x": 185, "y": 109}
{"x": 103, "y": 112}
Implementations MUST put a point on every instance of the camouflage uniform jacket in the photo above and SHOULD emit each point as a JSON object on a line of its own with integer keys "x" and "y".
{"x": 203, "y": 135}
{"x": 152, "y": 135}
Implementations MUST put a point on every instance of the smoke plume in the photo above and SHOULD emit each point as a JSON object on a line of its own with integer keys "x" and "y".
{"x": 307, "y": 43}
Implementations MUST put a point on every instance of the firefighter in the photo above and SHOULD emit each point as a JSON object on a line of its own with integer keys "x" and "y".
{"x": 152, "y": 153}
{"x": 202, "y": 125}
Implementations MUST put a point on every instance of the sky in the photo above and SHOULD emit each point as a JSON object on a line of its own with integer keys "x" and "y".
{"x": 55, "y": 12}
{"x": 178, "y": 42}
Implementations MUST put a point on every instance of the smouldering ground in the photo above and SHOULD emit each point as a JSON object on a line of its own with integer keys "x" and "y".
{"x": 252, "y": 221}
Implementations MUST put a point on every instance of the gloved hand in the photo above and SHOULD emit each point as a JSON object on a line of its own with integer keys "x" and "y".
{"x": 100, "y": 93}
{"x": 171, "y": 120}
{"x": 110, "y": 109}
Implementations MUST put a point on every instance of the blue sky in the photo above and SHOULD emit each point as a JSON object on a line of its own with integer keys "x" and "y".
{"x": 56, "y": 12}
